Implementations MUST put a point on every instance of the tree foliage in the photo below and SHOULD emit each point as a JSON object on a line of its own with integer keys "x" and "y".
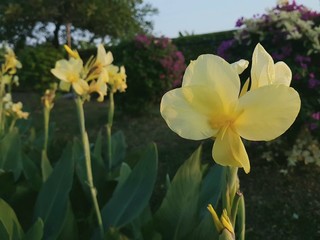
{"x": 23, "y": 21}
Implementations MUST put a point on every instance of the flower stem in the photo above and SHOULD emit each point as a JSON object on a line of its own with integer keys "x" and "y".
{"x": 46, "y": 116}
{"x": 86, "y": 148}
{"x": 1, "y": 104}
{"x": 109, "y": 127}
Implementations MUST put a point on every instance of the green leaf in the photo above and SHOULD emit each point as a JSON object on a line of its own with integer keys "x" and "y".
{"x": 35, "y": 232}
{"x": 31, "y": 172}
{"x": 132, "y": 195}
{"x": 10, "y": 149}
{"x": 211, "y": 188}
{"x": 7, "y": 185}
{"x": 4, "y": 235}
{"x": 119, "y": 146}
{"x": 52, "y": 201}
{"x": 10, "y": 221}
{"x": 177, "y": 215}
{"x": 46, "y": 168}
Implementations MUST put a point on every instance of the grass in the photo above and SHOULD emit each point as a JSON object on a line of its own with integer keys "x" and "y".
{"x": 278, "y": 206}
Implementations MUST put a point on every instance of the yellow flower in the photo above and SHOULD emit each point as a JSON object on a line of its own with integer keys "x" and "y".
{"x": 11, "y": 61}
{"x": 117, "y": 78}
{"x": 223, "y": 223}
{"x": 265, "y": 72}
{"x": 208, "y": 105}
{"x": 69, "y": 72}
{"x": 103, "y": 59}
{"x": 72, "y": 53}
{"x": 16, "y": 109}
{"x": 99, "y": 87}
{"x": 48, "y": 97}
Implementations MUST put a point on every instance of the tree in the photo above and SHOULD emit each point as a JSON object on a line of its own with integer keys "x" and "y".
{"x": 50, "y": 20}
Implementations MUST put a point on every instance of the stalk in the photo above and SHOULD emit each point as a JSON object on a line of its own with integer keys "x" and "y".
{"x": 86, "y": 148}
{"x": 109, "y": 127}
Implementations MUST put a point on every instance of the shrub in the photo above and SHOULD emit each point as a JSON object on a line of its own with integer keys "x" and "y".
{"x": 291, "y": 33}
{"x": 153, "y": 66}
{"x": 37, "y": 62}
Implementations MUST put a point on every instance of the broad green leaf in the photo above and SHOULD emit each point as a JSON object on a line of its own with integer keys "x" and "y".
{"x": 35, "y": 232}
{"x": 4, "y": 235}
{"x": 177, "y": 215}
{"x": 132, "y": 196}
{"x": 52, "y": 201}
{"x": 31, "y": 172}
{"x": 46, "y": 168}
{"x": 10, "y": 149}
{"x": 10, "y": 221}
{"x": 211, "y": 187}
{"x": 69, "y": 230}
{"x": 7, "y": 184}
{"x": 119, "y": 146}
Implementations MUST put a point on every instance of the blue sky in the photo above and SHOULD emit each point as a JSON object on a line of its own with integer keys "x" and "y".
{"x": 206, "y": 16}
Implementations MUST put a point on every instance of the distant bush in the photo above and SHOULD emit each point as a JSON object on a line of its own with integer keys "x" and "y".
{"x": 153, "y": 66}
{"x": 37, "y": 62}
{"x": 290, "y": 33}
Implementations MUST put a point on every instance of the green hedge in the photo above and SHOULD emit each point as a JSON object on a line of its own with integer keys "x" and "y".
{"x": 195, "y": 45}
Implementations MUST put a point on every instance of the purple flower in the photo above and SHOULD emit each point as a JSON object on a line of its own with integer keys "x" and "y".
{"x": 224, "y": 47}
{"x": 313, "y": 82}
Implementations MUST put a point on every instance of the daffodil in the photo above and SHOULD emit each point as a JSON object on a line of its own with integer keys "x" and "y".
{"x": 69, "y": 72}
{"x": 208, "y": 106}
{"x": 16, "y": 111}
{"x": 265, "y": 72}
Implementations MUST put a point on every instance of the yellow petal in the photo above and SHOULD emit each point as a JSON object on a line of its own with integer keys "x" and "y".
{"x": 214, "y": 73}
{"x": 65, "y": 86}
{"x": 262, "y": 70}
{"x": 183, "y": 118}
{"x": 240, "y": 65}
{"x": 228, "y": 150}
{"x": 80, "y": 87}
{"x": 267, "y": 112}
{"x": 283, "y": 74}
{"x": 245, "y": 87}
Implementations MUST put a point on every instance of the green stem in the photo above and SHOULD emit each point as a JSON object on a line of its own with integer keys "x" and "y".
{"x": 241, "y": 219}
{"x": 109, "y": 127}
{"x": 13, "y": 122}
{"x": 86, "y": 148}
{"x": 1, "y": 105}
{"x": 46, "y": 116}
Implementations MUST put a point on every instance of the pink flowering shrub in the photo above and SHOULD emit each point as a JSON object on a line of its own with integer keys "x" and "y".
{"x": 154, "y": 66}
{"x": 290, "y": 33}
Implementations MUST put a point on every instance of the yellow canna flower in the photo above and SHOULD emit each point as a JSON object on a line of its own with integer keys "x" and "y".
{"x": 16, "y": 109}
{"x": 208, "y": 105}
{"x": 11, "y": 61}
{"x": 223, "y": 223}
{"x": 48, "y": 97}
{"x": 117, "y": 78}
{"x": 99, "y": 87}
{"x": 103, "y": 59}
{"x": 69, "y": 72}
{"x": 265, "y": 72}
{"x": 72, "y": 53}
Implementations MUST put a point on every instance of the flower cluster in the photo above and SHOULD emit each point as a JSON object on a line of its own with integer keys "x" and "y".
{"x": 164, "y": 52}
{"x": 291, "y": 33}
{"x": 10, "y": 111}
{"x": 210, "y": 104}
{"x": 96, "y": 76}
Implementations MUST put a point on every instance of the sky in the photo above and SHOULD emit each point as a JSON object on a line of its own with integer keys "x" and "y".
{"x": 207, "y": 16}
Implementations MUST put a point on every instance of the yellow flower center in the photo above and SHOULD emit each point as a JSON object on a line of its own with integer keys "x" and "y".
{"x": 72, "y": 77}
